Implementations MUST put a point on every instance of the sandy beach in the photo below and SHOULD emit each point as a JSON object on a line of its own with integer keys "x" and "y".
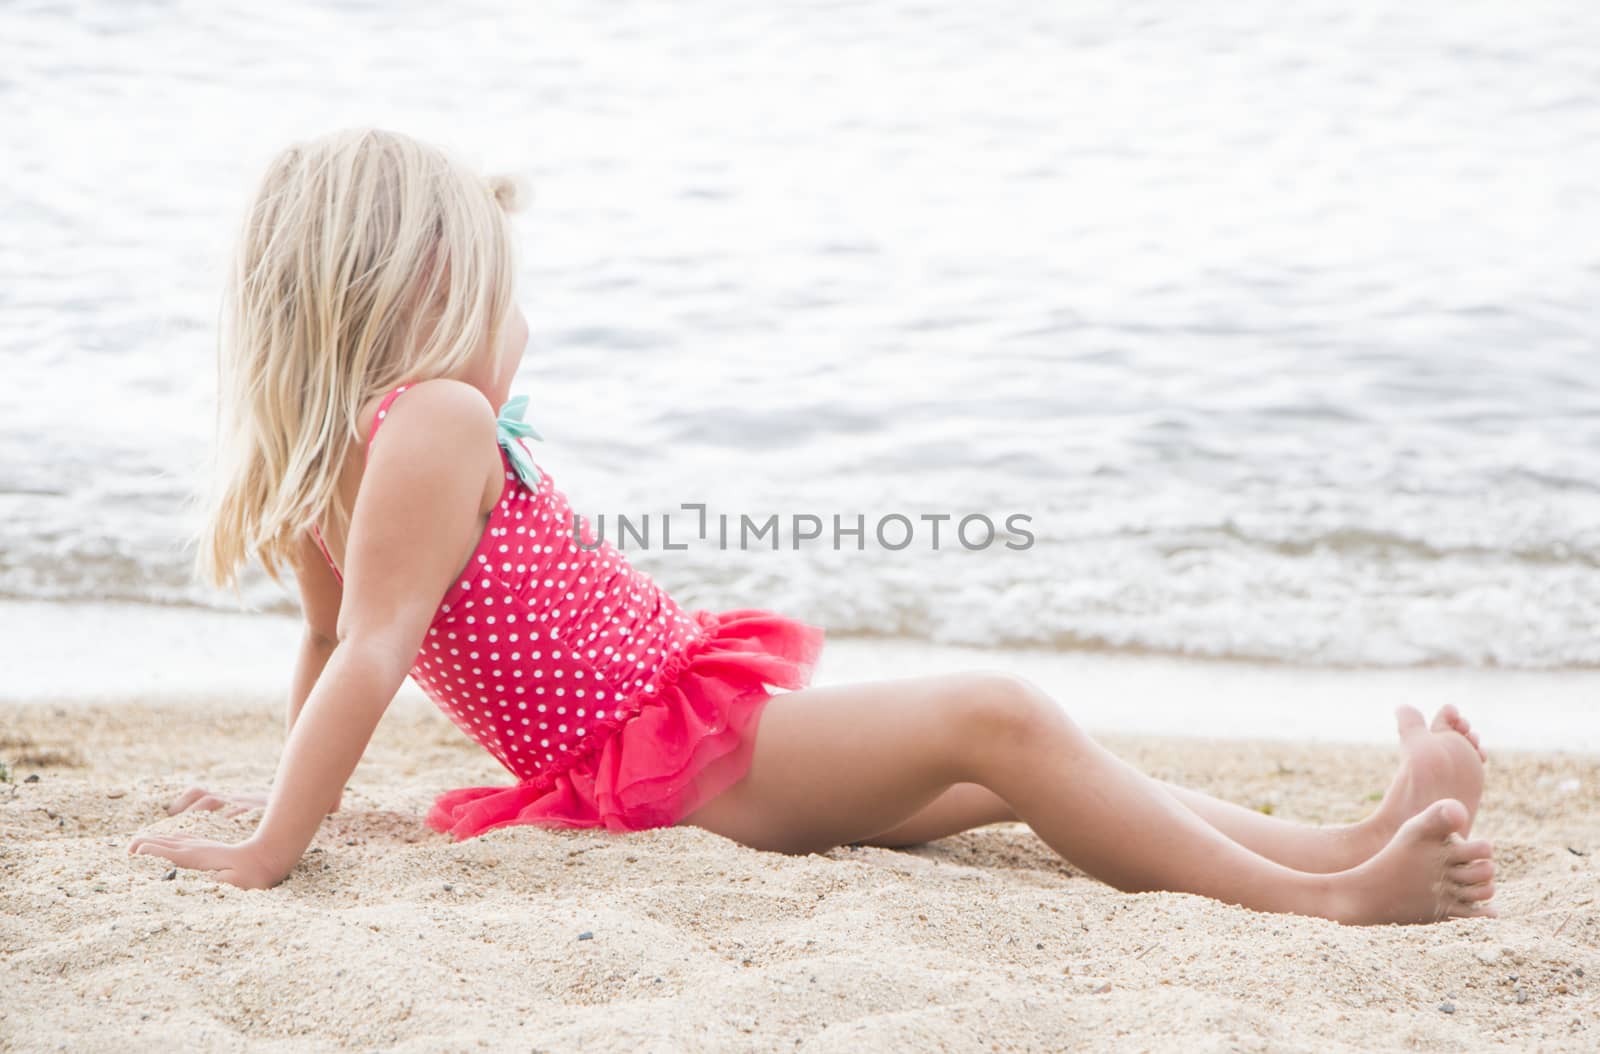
{"x": 1227, "y": 371}
{"x": 388, "y": 936}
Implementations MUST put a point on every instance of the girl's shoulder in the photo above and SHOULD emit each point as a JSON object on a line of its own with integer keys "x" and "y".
{"x": 432, "y": 423}
{"x": 419, "y": 437}
{"x": 440, "y": 409}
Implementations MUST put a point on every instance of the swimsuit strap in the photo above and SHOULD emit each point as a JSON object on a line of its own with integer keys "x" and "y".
{"x": 317, "y": 534}
{"x": 383, "y": 411}
{"x": 377, "y": 419}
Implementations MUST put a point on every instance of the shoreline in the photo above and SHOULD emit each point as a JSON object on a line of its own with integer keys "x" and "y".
{"x": 135, "y": 652}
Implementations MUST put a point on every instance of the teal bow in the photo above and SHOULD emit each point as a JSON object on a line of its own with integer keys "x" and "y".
{"x": 510, "y": 427}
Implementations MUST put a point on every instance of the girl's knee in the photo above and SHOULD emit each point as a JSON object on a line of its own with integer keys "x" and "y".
{"x": 1002, "y": 707}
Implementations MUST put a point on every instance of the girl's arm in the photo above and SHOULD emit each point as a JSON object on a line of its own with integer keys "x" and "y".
{"x": 319, "y": 602}
{"x": 320, "y": 596}
{"x": 417, "y": 519}
{"x": 309, "y": 664}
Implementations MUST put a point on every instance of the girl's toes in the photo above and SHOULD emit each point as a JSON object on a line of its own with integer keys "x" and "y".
{"x": 1446, "y": 718}
{"x": 1472, "y": 872}
{"x": 1441, "y": 822}
{"x": 1474, "y": 909}
{"x": 1408, "y": 719}
{"x": 1472, "y": 894}
{"x": 1466, "y": 852}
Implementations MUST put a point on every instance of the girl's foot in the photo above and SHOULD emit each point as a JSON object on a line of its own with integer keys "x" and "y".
{"x": 1442, "y": 760}
{"x": 1426, "y": 873}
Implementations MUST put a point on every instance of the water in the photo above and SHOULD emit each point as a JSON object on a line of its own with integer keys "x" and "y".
{"x": 1279, "y": 323}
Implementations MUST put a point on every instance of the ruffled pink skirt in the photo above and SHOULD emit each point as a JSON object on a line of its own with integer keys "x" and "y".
{"x": 688, "y": 742}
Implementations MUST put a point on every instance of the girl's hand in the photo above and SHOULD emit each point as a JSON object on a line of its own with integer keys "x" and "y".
{"x": 238, "y": 865}
{"x": 196, "y": 798}
{"x": 236, "y": 802}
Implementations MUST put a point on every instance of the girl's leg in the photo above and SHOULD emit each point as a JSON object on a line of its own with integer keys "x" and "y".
{"x": 960, "y": 807}
{"x": 1318, "y": 850}
{"x": 1443, "y": 760}
{"x": 838, "y": 764}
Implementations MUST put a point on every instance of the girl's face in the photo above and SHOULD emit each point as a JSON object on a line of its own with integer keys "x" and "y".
{"x": 495, "y": 368}
{"x": 513, "y": 343}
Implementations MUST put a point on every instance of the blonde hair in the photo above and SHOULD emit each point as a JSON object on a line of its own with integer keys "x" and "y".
{"x": 366, "y": 259}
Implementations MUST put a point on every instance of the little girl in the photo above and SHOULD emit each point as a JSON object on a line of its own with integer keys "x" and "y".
{"x": 366, "y": 440}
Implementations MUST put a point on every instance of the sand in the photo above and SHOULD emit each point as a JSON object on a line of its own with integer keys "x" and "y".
{"x": 388, "y": 936}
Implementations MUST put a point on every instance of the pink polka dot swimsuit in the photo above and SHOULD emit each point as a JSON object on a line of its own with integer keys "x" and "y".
{"x": 609, "y": 703}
